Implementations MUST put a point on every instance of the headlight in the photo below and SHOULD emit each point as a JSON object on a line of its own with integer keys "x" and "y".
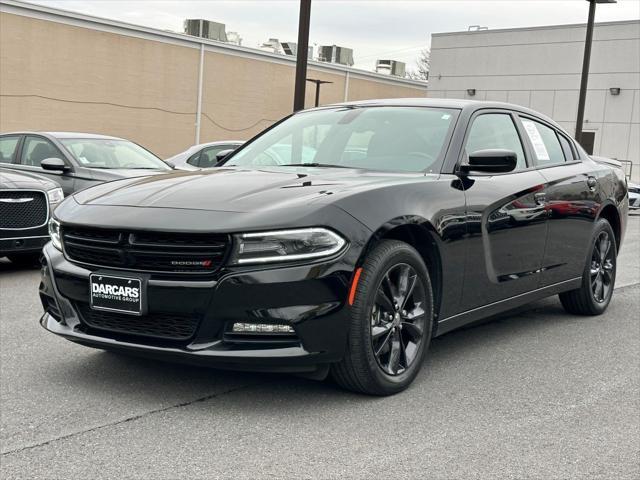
{"x": 55, "y": 195}
{"x": 286, "y": 245}
{"x": 54, "y": 233}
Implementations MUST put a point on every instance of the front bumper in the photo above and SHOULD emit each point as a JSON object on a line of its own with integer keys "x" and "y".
{"x": 309, "y": 298}
{"x": 26, "y": 244}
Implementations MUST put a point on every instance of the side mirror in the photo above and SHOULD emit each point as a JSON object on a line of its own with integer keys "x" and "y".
{"x": 491, "y": 161}
{"x": 222, "y": 154}
{"x": 54, "y": 164}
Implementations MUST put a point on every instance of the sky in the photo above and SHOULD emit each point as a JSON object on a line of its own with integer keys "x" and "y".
{"x": 394, "y": 29}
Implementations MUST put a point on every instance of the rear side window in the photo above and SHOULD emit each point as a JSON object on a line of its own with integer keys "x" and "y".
{"x": 544, "y": 140}
{"x": 36, "y": 149}
{"x": 567, "y": 148}
{"x": 8, "y": 146}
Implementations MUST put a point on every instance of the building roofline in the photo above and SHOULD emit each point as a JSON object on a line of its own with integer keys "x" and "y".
{"x": 541, "y": 27}
{"x": 43, "y": 12}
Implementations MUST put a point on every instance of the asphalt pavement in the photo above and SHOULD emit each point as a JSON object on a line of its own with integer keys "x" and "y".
{"x": 534, "y": 393}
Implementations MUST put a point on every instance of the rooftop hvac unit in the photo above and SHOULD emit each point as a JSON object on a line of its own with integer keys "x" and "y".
{"x": 335, "y": 54}
{"x": 290, "y": 48}
{"x": 205, "y": 29}
{"x": 391, "y": 67}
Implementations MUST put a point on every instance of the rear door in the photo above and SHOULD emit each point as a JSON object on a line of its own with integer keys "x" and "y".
{"x": 506, "y": 216}
{"x": 571, "y": 193}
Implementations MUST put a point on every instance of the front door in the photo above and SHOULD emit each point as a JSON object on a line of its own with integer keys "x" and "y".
{"x": 506, "y": 217}
{"x": 34, "y": 150}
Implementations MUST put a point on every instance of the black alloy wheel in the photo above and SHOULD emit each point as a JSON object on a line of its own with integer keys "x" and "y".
{"x": 599, "y": 276}
{"x": 602, "y": 267}
{"x": 398, "y": 319}
{"x": 391, "y": 322}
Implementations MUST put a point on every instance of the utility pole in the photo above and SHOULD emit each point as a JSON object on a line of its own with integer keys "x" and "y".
{"x": 585, "y": 66}
{"x": 302, "y": 54}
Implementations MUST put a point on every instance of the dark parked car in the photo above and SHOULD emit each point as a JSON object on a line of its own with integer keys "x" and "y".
{"x": 412, "y": 218}
{"x": 26, "y": 202}
{"x": 77, "y": 160}
{"x": 204, "y": 155}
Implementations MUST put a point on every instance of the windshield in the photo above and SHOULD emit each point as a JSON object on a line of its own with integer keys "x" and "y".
{"x": 409, "y": 139}
{"x": 105, "y": 153}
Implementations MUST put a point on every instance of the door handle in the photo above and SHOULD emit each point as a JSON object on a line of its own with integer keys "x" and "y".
{"x": 540, "y": 198}
{"x": 592, "y": 183}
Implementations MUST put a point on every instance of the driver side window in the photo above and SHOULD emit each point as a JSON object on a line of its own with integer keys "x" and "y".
{"x": 36, "y": 149}
{"x": 495, "y": 131}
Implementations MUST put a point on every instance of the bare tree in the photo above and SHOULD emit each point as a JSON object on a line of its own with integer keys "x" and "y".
{"x": 423, "y": 64}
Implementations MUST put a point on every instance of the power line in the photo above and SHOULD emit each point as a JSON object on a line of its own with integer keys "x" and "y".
{"x": 381, "y": 54}
{"x": 137, "y": 107}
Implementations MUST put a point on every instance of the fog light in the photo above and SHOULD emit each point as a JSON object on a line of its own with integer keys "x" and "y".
{"x": 261, "y": 328}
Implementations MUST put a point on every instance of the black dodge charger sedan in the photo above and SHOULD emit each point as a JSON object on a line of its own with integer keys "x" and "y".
{"x": 341, "y": 240}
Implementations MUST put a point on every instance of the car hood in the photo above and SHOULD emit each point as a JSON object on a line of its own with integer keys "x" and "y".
{"x": 180, "y": 158}
{"x": 239, "y": 190}
{"x": 109, "y": 174}
{"x": 11, "y": 179}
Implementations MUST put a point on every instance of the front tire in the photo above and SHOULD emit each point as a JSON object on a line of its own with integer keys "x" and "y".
{"x": 391, "y": 322}
{"x": 599, "y": 276}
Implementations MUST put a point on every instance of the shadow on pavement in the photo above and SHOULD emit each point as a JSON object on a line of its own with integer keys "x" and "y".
{"x": 6, "y": 266}
{"x": 117, "y": 374}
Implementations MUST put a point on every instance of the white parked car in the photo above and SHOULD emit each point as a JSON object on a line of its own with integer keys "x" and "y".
{"x": 203, "y": 155}
{"x": 634, "y": 196}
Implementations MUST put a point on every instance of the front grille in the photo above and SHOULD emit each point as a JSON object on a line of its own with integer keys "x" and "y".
{"x": 146, "y": 251}
{"x": 165, "y": 326}
{"x": 22, "y": 209}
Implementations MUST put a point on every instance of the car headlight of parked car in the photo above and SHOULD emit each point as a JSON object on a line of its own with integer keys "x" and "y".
{"x": 286, "y": 245}
{"x": 54, "y": 233}
{"x": 55, "y": 195}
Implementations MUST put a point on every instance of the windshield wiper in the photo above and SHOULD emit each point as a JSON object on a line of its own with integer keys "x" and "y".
{"x": 325, "y": 165}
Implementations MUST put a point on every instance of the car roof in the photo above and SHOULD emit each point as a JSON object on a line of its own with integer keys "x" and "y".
{"x": 452, "y": 103}
{"x": 221, "y": 142}
{"x": 415, "y": 102}
{"x": 61, "y": 135}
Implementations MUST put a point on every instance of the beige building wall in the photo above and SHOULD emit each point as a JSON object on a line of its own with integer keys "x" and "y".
{"x": 360, "y": 89}
{"x": 68, "y": 72}
{"x": 93, "y": 77}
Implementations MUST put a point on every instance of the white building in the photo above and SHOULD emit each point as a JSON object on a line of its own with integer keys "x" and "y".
{"x": 540, "y": 68}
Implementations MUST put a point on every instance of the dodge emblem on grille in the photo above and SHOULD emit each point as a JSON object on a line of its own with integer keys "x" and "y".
{"x": 191, "y": 263}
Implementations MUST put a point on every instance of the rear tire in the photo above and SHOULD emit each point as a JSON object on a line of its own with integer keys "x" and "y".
{"x": 391, "y": 322}
{"x": 598, "y": 277}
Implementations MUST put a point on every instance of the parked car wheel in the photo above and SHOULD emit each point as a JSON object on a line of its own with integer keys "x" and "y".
{"x": 25, "y": 259}
{"x": 599, "y": 276}
{"x": 391, "y": 322}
